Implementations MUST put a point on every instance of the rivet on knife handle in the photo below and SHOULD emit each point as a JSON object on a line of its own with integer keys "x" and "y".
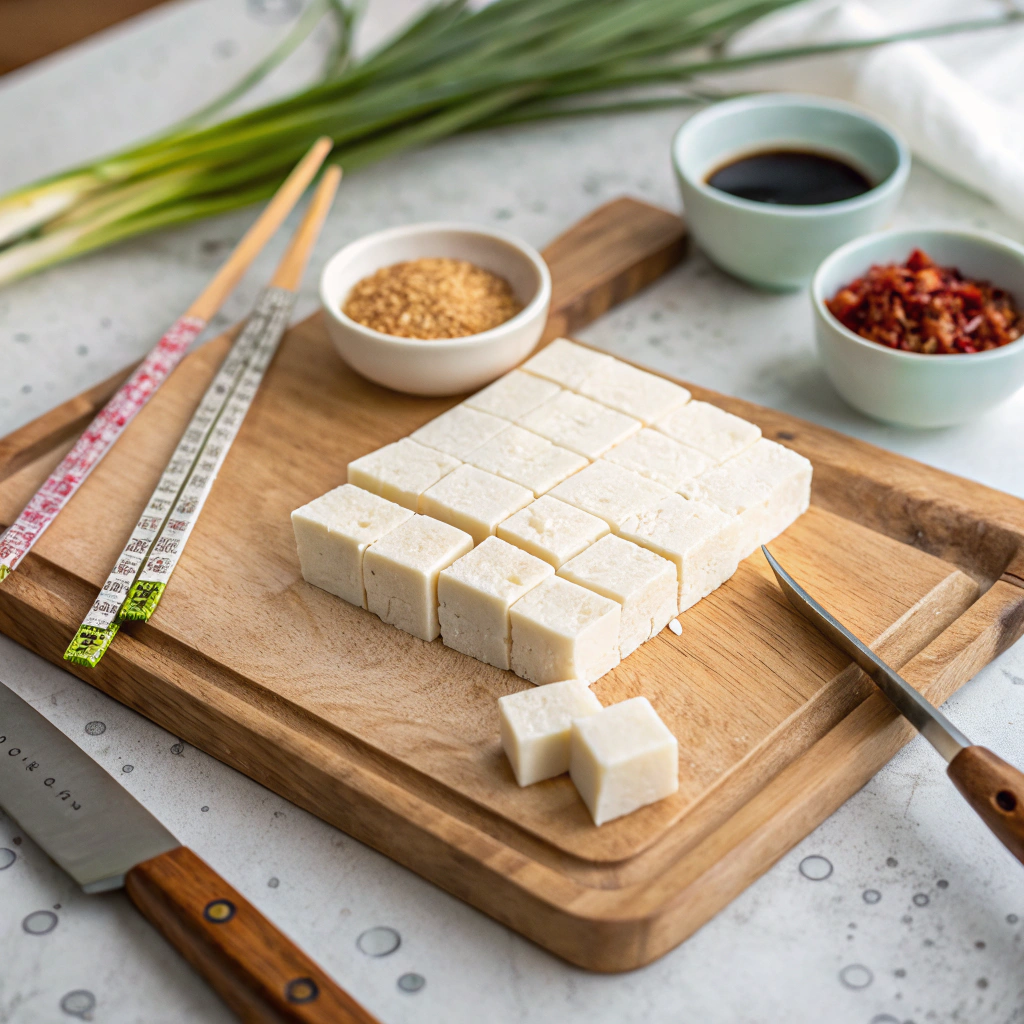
{"x": 995, "y": 790}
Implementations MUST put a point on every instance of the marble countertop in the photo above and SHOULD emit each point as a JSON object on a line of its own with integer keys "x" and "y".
{"x": 900, "y": 907}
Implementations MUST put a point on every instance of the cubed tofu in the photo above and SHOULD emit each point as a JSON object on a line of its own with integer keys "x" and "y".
{"x": 716, "y": 433}
{"x": 527, "y": 459}
{"x": 580, "y": 424}
{"x": 459, "y": 431}
{"x": 401, "y": 472}
{"x": 561, "y": 630}
{"x": 567, "y": 363}
{"x": 700, "y": 539}
{"x": 333, "y": 532}
{"x": 475, "y": 594}
{"x": 400, "y": 573}
{"x": 552, "y": 530}
{"x": 642, "y": 395}
{"x": 474, "y": 501}
{"x": 513, "y": 395}
{"x": 658, "y": 457}
{"x": 623, "y": 758}
{"x": 536, "y": 724}
{"x": 643, "y": 583}
{"x": 606, "y": 490}
{"x": 738, "y": 491}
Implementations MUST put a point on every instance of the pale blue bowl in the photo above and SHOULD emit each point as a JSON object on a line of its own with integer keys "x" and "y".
{"x": 774, "y": 246}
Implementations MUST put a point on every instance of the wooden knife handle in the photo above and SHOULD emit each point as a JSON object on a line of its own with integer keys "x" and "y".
{"x": 995, "y": 790}
{"x": 263, "y": 976}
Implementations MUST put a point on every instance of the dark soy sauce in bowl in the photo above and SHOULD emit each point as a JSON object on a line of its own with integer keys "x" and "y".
{"x": 790, "y": 177}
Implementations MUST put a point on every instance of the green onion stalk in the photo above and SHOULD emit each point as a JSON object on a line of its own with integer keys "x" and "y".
{"x": 452, "y": 69}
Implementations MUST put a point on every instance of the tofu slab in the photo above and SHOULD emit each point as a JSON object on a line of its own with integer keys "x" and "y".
{"x": 459, "y": 431}
{"x": 474, "y": 501}
{"x": 658, "y": 457}
{"x": 400, "y": 573}
{"x": 475, "y": 594}
{"x": 623, "y": 758}
{"x": 536, "y": 725}
{"x": 580, "y": 424}
{"x": 637, "y": 393}
{"x": 513, "y": 395}
{"x": 716, "y": 433}
{"x": 401, "y": 472}
{"x": 610, "y": 492}
{"x": 561, "y": 630}
{"x": 701, "y": 540}
{"x": 643, "y": 583}
{"x": 567, "y": 363}
{"x": 552, "y": 530}
{"x": 333, "y": 532}
{"x": 527, "y": 459}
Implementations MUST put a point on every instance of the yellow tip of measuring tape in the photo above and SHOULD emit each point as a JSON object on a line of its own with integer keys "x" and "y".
{"x": 89, "y": 644}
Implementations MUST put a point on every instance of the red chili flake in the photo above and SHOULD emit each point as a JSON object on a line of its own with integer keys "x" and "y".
{"x": 921, "y": 307}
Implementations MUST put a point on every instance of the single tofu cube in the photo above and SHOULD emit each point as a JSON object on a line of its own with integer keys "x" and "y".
{"x": 401, "y": 472}
{"x": 567, "y": 363}
{"x": 333, "y": 532}
{"x": 713, "y": 431}
{"x": 643, "y": 583}
{"x": 738, "y": 491}
{"x": 459, "y": 431}
{"x": 561, "y": 630}
{"x": 606, "y": 490}
{"x": 552, "y": 530}
{"x": 400, "y": 573}
{"x": 513, "y": 395}
{"x": 536, "y": 724}
{"x": 580, "y": 424}
{"x": 474, "y": 596}
{"x": 527, "y": 459}
{"x": 698, "y": 537}
{"x": 642, "y": 395}
{"x": 474, "y": 501}
{"x": 623, "y": 758}
{"x": 657, "y": 457}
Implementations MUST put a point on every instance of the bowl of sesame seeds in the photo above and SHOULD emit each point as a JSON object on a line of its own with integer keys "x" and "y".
{"x": 435, "y": 309}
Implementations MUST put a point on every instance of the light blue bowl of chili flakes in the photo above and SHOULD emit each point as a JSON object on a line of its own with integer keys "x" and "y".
{"x": 922, "y": 327}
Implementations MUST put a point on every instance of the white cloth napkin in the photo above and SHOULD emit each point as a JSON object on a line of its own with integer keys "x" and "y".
{"x": 959, "y": 102}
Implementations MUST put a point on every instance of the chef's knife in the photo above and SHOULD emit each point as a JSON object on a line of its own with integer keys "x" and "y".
{"x": 992, "y": 787}
{"x": 104, "y": 838}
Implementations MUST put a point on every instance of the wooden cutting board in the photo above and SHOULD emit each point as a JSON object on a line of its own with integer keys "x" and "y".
{"x": 396, "y": 741}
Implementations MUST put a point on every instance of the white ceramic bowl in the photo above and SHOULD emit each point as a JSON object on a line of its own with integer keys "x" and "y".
{"x": 908, "y": 388}
{"x": 448, "y": 366}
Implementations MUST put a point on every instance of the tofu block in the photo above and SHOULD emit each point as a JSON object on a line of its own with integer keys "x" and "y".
{"x": 459, "y": 431}
{"x": 527, "y": 459}
{"x": 643, "y": 583}
{"x": 561, "y": 630}
{"x": 642, "y": 395}
{"x": 738, "y": 491}
{"x": 580, "y": 424}
{"x": 657, "y": 457}
{"x": 474, "y": 501}
{"x": 606, "y": 490}
{"x": 701, "y": 540}
{"x": 552, "y": 530}
{"x": 400, "y": 573}
{"x": 536, "y": 724}
{"x": 716, "y": 433}
{"x": 475, "y": 594}
{"x": 513, "y": 395}
{"x": 333, "y": 532}
{"x": 401, "y": 472}
{"x": 567, "y": 363}
{"x": 623, "y": 758}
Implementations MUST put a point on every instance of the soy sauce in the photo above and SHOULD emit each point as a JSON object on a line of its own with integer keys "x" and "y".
{"x": 790, "y": 177}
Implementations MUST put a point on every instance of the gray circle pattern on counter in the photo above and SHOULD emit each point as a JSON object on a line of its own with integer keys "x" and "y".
{"x": 39, "y": 922}
{"x": 95, "y": 728}
{"x": 79, "y": 1003}
{"x": 7, "y": 858}
{"x": 816, "y": 867}
{"x": 379, "y": 941}
{"x": 411, "y": 982}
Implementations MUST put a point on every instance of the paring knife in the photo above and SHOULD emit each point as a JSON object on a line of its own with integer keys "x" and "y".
{"x": 104, "y": 838}
{"x": 992, "y": 787}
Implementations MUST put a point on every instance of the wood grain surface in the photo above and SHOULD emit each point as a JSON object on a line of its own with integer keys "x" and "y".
{"x": 396, "y": 741}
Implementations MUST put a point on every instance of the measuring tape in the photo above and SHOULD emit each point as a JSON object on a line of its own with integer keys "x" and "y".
{"x": 17, "y": 540}
{"x": 135, "y": 585}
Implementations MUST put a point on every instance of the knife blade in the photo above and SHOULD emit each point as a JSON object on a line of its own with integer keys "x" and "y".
{"x": 105, "y": 839}
{"x": 994, "y": 788}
